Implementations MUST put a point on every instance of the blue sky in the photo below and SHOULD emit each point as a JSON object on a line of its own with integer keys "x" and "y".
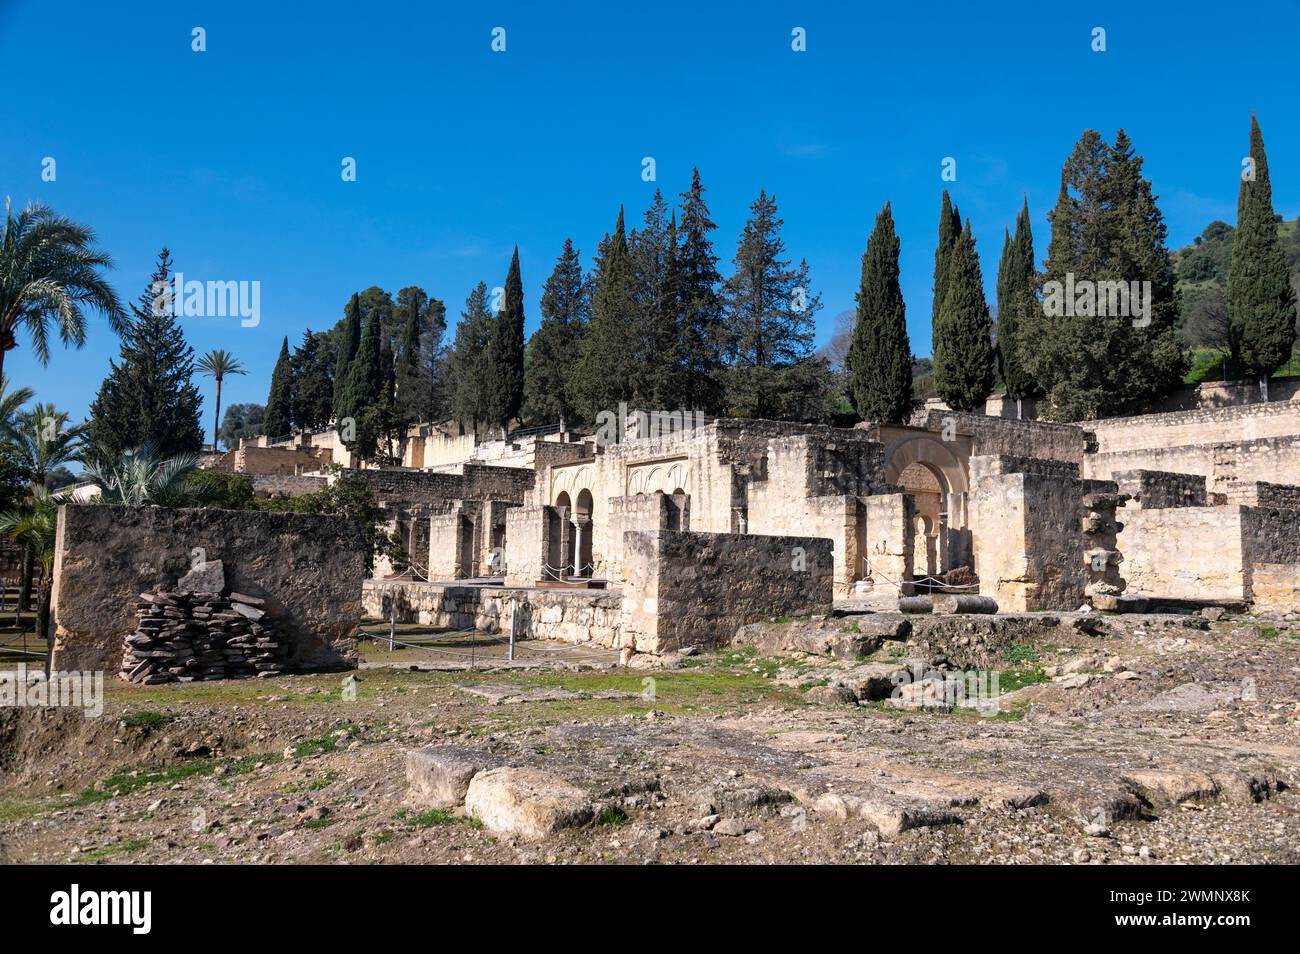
{"x": 231, "y": 157}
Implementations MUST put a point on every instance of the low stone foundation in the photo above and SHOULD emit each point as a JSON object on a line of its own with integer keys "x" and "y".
{"x": 570, "y": 616}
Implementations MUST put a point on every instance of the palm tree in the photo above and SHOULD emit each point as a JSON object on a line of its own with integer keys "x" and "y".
{"x": 139, "y": 479}
{"x": 39, "y": 440}
{"x": 11, "y": 402}
{"x": 33, "y": 525}
{"x": 218, "y": 363}
{"x": 36, "y": 442}
{"x": 49, "y": 268}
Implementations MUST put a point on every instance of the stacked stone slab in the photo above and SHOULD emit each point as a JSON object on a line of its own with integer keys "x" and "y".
{"x": 190, "y": 637}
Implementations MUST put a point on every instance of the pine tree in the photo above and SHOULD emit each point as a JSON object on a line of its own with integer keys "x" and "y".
{"x": 278, "y": 421}
{"x": 549, "y": 384}
{"x": 467, "y": 362}
{"x": 1106, "y": 228}
{"x": 699, "y": 305}
{"x": 879, "y": 361}
{"x": 607, "y": 367}
{"x": 505, "y": 393}
{"x": 1016, "y": 299}
{"x": 949, "y": 232}
{"x": 1261, "y": 301}
{"x": 963, "y": 332}
{"x": 148, "y": 398}
{"x": 313, "y": 381}
{"x": 650, "y": 253}
{"x": 349, "y": 340}
{"x": 768, "y": 310}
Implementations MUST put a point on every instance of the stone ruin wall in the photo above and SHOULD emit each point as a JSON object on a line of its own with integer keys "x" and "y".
{"x": 1044, "y": 538}
{"x": 683, "y": 589}
{"x": 697, "y": 589}
{"x": 571, "y": 616}
{"x": 308, "y": 568}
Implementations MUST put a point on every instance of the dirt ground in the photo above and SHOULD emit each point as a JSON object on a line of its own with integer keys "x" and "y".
{"x": 1154, "y": 742}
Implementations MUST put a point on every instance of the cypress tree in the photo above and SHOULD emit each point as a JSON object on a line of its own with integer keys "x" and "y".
{"x": 879, "y": 361}
{"x": 505, "y": 392}
{"x": 411, "y": 386}
{"x": 669, "y": 386}
{"x": 147, "y": 398}
{"x": 609, "y": 354}
{"x": 348, "y": 343}
{"x": 549, "y": 380}
{"x": 963, "y": 345}
{"x": 467, "y": 362}
{"x": 1015, "y": 300}
{"x": 1106, "y": 228}
{"x": 1261, "y": 301}
{"x": 278, "y": 421}
{"x": 364, "y": 391}
{"x": 949, "y": 231}
{"x": 699, "y": 306}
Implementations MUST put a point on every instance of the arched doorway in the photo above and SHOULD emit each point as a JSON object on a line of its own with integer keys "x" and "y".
{"x": 934, "y": 474}
{"x": 677, "y": 510}
{"x": 561, "y": 558}
{"x": 582, "y": 527}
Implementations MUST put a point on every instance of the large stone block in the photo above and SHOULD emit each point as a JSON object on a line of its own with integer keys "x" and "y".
{"x": 526, "y": 802}
{"x": 439, "y": 776}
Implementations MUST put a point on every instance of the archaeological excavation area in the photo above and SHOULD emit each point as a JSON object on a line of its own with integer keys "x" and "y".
{"x": 970, "y": 639}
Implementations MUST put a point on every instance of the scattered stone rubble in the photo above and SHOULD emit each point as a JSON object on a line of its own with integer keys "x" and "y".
{"x": 188, "y": 637}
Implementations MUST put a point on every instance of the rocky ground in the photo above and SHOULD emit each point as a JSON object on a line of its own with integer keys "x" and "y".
{"x": 1118, "y": 739}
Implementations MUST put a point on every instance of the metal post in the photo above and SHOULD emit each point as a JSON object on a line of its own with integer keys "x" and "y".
{"x": 512, "y": 630}
{"x": 392, "y": 623}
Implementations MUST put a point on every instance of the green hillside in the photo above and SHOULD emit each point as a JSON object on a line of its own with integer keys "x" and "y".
{"x": 1201, "y": 272}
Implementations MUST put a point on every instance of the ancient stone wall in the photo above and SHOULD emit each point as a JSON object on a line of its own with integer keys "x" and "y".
{"x": 1199, "y": 427}
{"x": 528, "y": 544}
{"x": 688, "y": 589}
{"x": 1224, "y": 465}
{"x": 1158, "y": 489}
{"x": 1000, "y": 435}
{"x": 309, "y": 569}
{"x": 888, "y": 553}
{"x": 1185, "y": 553}
{"x": 571, "y": 616}
{"x": 1271, "y": 542}
{"x": 1043, "y": 540}
{"x": 277, "y": 485}
{"x": 279, "y": 460}
{"x": 417, "y": 490}
{"x": 1260, "y": 493}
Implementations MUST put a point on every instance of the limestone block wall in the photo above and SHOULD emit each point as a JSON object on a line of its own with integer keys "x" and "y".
{"x": 686, "y": 588}
{"x": 888, "y": 544}
{"x": 1000, "y": 435}
{"x": 1271, "y": 540}
{"x": 1185, "y": 552}
{"x": 444, "y": 542}
{"x": 1224, "y": 464}
{"x": 528, "y": 544}
{"x": 638, "y": 512}
{"x": 281, "y": 460}
{"x": 1198, "y": 427}
{"x": 571, "y": 616}
{"x": 275, "y": 485}
{"x": 1261, "y": 493}
{"x": 1157, "y": 489}
{"x": 1044, "y": 541}
{"x": 308, "y": 568}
